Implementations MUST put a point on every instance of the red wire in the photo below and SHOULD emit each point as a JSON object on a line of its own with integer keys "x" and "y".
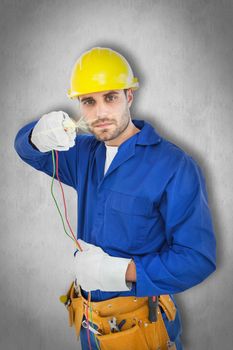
{"x": 76, "y": 241}
{"x": 88, "y": 330}
{"x": 64, "y": 201}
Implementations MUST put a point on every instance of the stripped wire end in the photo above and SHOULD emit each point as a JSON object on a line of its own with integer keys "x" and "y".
{"x": 70, "y": 125}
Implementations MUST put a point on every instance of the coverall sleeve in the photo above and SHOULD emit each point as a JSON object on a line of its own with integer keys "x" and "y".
{"x": 190, "y": 253}
{"x": 42, "y": 161}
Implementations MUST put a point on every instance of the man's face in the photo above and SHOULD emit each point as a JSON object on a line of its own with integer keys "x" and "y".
{"x": 106, "y": 113}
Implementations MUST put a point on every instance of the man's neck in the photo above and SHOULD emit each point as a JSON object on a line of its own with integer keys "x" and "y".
{"x": 126, "y": 134}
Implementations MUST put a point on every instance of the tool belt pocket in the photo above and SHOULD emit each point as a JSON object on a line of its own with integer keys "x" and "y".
{"x": 130, "y": 339}
{"x": 77, "y": 306}
{"x": 74, "y": 305}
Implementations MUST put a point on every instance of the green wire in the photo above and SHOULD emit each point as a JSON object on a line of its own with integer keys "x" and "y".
{"x": 96, "y": 341}
{"x": 54, "y": 172}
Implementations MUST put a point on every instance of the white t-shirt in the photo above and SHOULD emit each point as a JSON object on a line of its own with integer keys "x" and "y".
{"x": 111, "y": 151}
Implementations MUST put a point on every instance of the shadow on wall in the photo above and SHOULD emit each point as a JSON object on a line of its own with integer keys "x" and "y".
{"x": 28, "y": 331}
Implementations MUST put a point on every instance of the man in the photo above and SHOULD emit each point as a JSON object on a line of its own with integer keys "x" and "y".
{"x": 144, "y": 223}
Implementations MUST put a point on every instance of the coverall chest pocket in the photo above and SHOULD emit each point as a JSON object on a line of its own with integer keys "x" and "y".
{"x": 126, "y": 219}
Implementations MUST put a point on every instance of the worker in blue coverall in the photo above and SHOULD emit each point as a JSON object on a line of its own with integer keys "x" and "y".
{"x": 143, "y": 215}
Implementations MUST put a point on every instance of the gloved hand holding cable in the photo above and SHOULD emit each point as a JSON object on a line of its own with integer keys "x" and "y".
{"x": 54, "y": 131}
{"x": 95, "y": 269}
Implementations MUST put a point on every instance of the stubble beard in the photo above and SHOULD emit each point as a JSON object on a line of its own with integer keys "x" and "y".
{"x": 106, "y": 134}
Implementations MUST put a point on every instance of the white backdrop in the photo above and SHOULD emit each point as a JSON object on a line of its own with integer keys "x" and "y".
{"x": 182, "y": 53}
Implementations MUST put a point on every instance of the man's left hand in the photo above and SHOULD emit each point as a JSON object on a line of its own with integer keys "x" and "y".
{"x": 95, "y": 269}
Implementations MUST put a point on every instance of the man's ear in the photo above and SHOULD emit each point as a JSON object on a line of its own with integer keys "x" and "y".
{"x": 129, "y": 96}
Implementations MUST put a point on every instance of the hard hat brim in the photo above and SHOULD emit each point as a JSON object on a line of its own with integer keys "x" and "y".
{"x": 74, "y": 94}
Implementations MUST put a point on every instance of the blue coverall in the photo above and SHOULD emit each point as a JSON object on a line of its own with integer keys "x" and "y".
{"x": 150, "y": 206}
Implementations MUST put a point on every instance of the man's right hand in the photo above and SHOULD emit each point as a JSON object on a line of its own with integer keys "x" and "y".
{"x": 54, "y": 131}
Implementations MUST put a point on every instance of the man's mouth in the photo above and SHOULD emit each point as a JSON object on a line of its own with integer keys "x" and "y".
{"x": 104, "y": 125}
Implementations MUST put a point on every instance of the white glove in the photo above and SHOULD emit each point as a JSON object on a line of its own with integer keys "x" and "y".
{"x": 95, "y": 269}
{"x": 49, "y": 132}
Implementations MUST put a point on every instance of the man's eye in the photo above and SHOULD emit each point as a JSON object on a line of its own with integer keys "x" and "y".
{"x": 111, "y": 98}
{"x": 88, "y": 102}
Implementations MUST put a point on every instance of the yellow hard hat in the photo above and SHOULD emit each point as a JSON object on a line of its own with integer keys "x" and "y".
{"x": 101, "y": 69}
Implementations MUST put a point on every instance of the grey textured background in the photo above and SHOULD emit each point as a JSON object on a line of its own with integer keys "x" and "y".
{"x": 182, "y": 52}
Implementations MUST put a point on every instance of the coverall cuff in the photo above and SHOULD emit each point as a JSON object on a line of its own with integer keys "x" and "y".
{"x": 144, "y": 285}
{"x": 24, "y": 146}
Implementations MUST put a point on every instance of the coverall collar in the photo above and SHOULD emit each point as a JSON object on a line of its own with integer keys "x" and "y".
{"x": 148, "y": 135}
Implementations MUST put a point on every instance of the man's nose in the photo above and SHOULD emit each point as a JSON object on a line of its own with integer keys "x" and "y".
{"x": 101, "y": 110}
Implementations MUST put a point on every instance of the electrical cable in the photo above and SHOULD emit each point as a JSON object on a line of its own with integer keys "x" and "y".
{"x": 64, "y": 201}
{"x": 87, "y": 319}
{"x": 52, "y": 183}
{"x": 55, "y": 170}
{"x": 96, "y": 341}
